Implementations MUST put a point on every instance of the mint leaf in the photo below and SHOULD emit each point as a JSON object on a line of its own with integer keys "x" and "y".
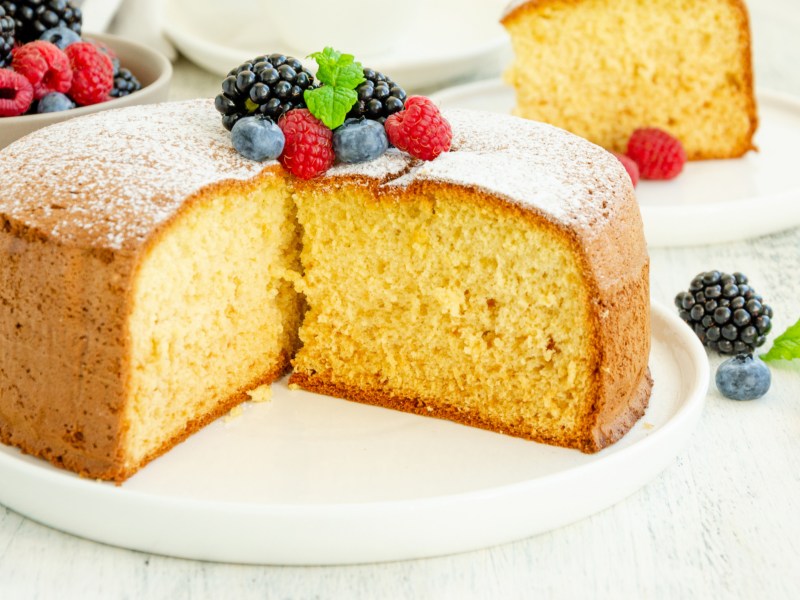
{"x": 340, "y": 74}
{"x": 330, "y": 104}
{"x": 786, "y": 346}
{"x": 337, "y": 69}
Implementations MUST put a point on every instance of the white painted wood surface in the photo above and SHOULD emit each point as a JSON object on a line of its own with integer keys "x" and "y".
{"x": 722, "y": 522}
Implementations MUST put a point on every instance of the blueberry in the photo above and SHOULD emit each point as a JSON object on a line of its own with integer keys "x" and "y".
{"x": 54, "y": 102}
{"x": 359, "y": 141}
{"x": 743, "y": 377}
{"x": 60, "y": 36}
{"x": 257, "y": 138}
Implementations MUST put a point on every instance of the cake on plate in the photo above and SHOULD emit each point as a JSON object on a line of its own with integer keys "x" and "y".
{"x": 151, "y": 277}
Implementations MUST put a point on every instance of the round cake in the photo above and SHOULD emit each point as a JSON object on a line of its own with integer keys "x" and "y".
{"x": 152, "y": 277}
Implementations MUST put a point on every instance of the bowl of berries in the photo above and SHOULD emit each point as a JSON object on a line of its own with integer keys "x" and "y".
{"x": 50, "y": 71}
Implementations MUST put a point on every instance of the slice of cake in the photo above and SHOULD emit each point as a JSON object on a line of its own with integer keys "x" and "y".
{"x": 150, "y": 277}
{"x": 602, "y": 68}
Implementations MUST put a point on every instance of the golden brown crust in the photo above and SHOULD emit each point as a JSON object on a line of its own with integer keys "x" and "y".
{"x": 66, "y": 456}
{"x": 632, "y": 407}
{"x": 60, "y": 394}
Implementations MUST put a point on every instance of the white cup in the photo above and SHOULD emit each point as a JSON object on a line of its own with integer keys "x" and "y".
{"x": 355, "y": 27}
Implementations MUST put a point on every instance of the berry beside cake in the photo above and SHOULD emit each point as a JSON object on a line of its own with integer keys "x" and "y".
{"x": 485, "y": 269}
{"x": 602, "y": 69}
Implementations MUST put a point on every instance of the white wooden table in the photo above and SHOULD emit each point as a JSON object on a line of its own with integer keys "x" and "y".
{"x": 723, "y": 521}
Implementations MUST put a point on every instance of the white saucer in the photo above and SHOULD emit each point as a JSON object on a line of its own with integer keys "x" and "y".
{"x": 712, "y": 201}
{"x": 447, "y": 43}
{"x": 308, "y": 479}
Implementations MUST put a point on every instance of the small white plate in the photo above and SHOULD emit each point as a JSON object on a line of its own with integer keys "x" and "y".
{"x": 308, "y": 479}
{"x": 447, "y": 42}
{"x": 712, "y": 201}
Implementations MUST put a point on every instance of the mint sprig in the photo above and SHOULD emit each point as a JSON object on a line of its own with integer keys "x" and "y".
{"x": 786, "y": 346}
{"x": 340, "y": 74}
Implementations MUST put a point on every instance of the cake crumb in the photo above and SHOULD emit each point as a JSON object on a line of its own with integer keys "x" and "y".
{"x": 648, "y": 426}
{"x": 262, "y": 393}
{"x": 294, "y": 387}
{"x": 235, "y": 413}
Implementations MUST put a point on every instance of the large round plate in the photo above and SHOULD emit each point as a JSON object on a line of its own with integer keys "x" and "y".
{"x": 308, "y": 479}
{"x": 712, "y": 201}
{"x": 472, "y": 43}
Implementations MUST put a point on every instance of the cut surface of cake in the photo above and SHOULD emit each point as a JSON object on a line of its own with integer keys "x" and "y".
{"x": 151, "y": 277}
{"x": 603, "y": 68}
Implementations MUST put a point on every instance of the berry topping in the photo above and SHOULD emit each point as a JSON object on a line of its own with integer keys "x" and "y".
{"x": 359, "y": 140}
{"x": 257, "y": 138}
{"x": 308, "y": 151}
{"x": 630, "y": 166}
{"x": 267, "y": 85}
{"x": 60, "y": 36}
{"x": 16, "y": 93}
{"x": 45, "y": 66}
{"x": 743, "y": 377}
{"x": 54, "y": 102}
{"x": 124, "y": 83}
{"x": 92, "y": 73}
{"x": 419, "y": 129}
{"x": 725, "y": 312}
{"x": 34, "y": 17}
{"x": 6, "y": 37}
{"x": 657, "y": 153}
{"x": 378, "y": 97}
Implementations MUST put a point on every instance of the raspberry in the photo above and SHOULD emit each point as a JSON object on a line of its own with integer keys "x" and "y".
{"x": 45, "y": 66}
{"x": 16, "y": 93}
{"x": 309, "y": 144}
{"x": 419, "y": 129}
{"x": 630, "y": 166}
{"x": 92, "y": 73}
{"x": 657, "y": 153}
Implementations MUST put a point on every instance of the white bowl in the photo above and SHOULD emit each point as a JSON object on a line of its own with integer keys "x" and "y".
{"x": 151, "y": 68}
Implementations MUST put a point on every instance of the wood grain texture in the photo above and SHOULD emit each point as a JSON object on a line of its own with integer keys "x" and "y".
{"x": 723, "y": 521}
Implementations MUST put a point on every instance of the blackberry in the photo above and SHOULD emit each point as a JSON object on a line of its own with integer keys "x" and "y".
{"x": 6, "y": 37}
{"x": 378, "y": 97}
{"x": 125, "y": 83}
{"x": 267, "y": 85}
{"x": 34, "y": 17}
{"x": 725, "y": 312}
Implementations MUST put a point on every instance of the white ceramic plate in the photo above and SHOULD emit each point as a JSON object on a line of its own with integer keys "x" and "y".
{"x": 712, "y": 201}
{"x": 308, "y": 479}
{"x": 448, "y": 44}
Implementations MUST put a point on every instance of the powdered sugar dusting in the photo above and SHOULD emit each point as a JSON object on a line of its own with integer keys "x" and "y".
{"x": 109, "y": 179}
{"x": 390, "y": 164}
{"x": 531, "y": 164}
